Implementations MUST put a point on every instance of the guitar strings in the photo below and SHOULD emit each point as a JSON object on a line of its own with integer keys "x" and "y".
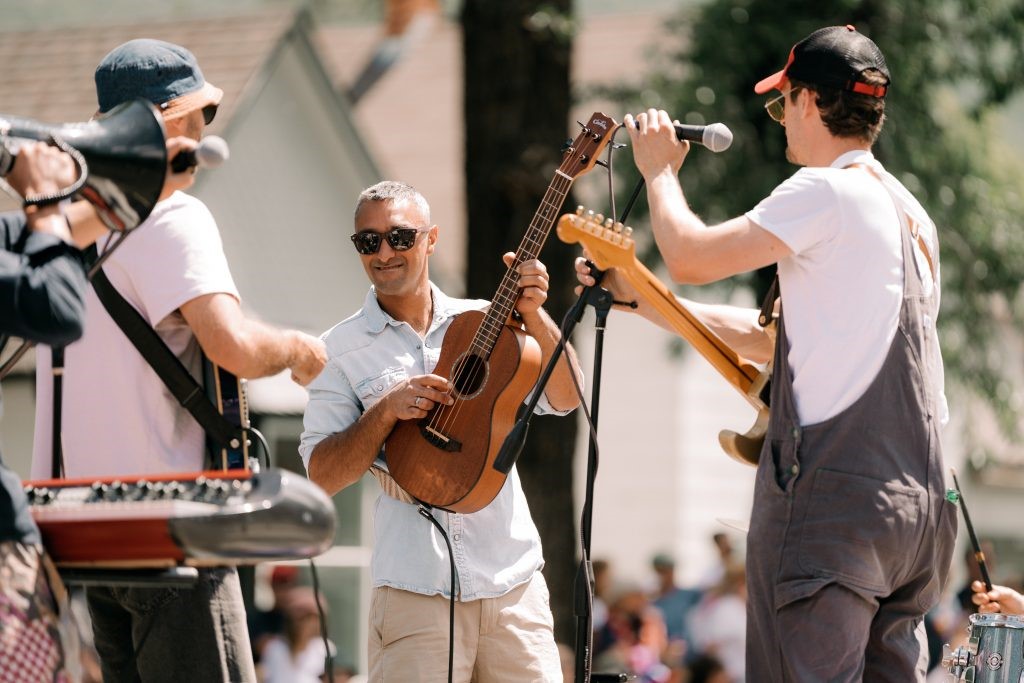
{"x": 489, "y": 331}
{"x": 493, "y": 321}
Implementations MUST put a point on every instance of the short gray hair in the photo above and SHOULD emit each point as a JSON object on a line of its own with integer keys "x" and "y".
{"x": 395, "y": 192}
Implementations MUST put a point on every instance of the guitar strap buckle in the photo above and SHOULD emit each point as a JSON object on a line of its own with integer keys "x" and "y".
{"x": 766, "y": 316}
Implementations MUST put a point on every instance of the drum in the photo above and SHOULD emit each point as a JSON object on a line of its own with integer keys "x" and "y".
{"x": 993, "y": 654}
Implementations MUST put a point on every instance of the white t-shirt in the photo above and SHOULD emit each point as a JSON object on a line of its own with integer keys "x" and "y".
{"x": 843, "y": 285}
{"x": 118, "y": 416}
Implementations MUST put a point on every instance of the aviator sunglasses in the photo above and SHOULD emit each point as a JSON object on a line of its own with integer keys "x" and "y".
{"x": 776, "y": 106}
{"x": 401, "y": 239}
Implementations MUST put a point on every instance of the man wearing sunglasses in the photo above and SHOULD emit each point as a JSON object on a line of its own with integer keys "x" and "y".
{"x": 119, "y": 419}
{"x": 850, "y": 537}
{"x": 379, "y": 372}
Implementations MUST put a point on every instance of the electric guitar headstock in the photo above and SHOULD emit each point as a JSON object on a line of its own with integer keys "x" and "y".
{"x": 608, "y": 244}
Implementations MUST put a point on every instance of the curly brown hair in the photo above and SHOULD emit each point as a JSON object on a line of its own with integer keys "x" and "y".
{"x": 848, "y": 114}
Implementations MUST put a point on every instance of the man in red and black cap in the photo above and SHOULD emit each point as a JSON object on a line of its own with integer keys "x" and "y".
{"x": 850, "y": 537}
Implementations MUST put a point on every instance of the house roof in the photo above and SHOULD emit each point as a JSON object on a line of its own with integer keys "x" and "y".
{"x": 48, "y": 74}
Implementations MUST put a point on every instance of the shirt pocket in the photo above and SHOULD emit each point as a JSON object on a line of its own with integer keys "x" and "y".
{"x": 371, "y": 390}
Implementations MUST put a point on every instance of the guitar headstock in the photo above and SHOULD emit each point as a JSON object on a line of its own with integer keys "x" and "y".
{"x": 608, "y": 244}
{"x": 584, "y": 151}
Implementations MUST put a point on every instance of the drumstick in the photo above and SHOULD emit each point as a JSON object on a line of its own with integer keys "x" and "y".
{"x": 978, "y": 554}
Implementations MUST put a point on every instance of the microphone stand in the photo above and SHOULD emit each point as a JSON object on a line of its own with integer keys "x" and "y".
{"x": 583, "y": 598}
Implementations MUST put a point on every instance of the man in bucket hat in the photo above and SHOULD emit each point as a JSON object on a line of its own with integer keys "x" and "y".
{"x": 850, "y": 537}
{"x": 172, "y": 269}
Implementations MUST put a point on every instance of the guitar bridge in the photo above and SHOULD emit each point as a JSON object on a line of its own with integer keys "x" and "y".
{"x": 439, "y": 440}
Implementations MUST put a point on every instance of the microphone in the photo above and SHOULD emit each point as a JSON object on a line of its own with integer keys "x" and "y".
{"x": 211, "y": 153}
{"x": 715, "y": 136}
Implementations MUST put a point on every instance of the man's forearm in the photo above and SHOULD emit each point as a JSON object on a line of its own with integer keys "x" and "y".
{"x": 342, "y": 458}
{"x": 737, "y": 327}
{"x": 41, "y": 292}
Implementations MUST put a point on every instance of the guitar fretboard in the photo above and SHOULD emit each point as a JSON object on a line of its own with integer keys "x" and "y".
{"x": 508, "y": 290}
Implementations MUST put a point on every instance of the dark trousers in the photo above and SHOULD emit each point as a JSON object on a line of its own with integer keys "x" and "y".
{"x": 194, "y": 634}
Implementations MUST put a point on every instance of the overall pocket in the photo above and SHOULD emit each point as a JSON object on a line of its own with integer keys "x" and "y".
{"x": 859, "y": 529}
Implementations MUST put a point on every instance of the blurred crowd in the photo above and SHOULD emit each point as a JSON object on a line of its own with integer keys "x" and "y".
{"x": 288, "y": 642}
{"x": 673, "y": 634}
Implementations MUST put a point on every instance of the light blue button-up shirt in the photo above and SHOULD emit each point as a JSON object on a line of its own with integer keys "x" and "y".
{"x": 496, "y": 548}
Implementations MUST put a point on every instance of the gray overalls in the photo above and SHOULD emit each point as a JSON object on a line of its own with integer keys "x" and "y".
{"x": 850, "y": 536}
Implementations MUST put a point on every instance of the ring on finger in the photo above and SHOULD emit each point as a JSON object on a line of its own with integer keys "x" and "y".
{"x": 417, "y": 401}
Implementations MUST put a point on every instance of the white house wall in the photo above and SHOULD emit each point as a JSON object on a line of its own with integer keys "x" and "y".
{"x": 284, "y": 202}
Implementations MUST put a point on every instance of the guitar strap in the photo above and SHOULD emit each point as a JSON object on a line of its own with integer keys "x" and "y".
{"x": 172, "y": 372}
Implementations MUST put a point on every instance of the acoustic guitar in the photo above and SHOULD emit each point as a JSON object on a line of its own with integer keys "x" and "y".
{"x": 445, "y": 458}
{"x": 610, "y": 245}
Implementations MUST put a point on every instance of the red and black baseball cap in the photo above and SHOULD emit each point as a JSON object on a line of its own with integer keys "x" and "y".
{"x": 834, "y": 57}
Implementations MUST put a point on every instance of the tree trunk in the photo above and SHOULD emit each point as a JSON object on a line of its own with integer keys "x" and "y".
{"x": 516, "y": 55}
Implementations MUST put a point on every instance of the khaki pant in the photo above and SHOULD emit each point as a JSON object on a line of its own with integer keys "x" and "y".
{"x": 508, "y": 639}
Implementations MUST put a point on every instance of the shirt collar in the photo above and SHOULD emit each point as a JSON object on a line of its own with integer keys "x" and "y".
{"x": 377, "y": 319}
{"x": 855, "y": 156}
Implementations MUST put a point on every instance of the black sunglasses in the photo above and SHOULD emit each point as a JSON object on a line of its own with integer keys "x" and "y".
{"x": 401, "y": 239}
{"x": 209, "y": 112}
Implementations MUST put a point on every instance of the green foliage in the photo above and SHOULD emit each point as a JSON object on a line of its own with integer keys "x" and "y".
{"x": 952, "y": 64}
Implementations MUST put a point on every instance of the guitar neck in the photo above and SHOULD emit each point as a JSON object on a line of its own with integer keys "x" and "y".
{"x": 578, "y": 158}
{"x": 737, "y": 370}
{"x": 529, "y": 249}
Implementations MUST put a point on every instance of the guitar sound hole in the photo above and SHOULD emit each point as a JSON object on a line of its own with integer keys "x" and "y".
{"x": 469, "y": 376}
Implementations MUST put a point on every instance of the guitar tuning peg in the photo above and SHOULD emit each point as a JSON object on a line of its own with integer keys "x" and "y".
{"x": 618, "y": 226}
{"x": 579, "y": 209}
{"x": 627, "y": 231}
{"x": 590, "y": 215}
{"x": 599, "y": 218}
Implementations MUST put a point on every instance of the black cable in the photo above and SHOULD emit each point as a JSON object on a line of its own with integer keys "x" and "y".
{"x": 566, "y": 322}
{"x": 329, "y": 661}
{"x": 424, "y": 510}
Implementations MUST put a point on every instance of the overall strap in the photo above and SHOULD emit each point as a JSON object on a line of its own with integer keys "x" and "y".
{"x": 905, "y": 220}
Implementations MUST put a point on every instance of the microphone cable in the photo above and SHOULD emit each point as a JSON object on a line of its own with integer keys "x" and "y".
{"x": 328, "y": 648}
{"x": 424, "y": 510}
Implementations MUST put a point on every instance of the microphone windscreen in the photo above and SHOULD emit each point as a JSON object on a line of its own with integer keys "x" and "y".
{"x": 212, "y": 152}
{"x": 717, "y": 137}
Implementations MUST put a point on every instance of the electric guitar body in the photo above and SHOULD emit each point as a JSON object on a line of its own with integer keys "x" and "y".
{"x": 446, "y": 458}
